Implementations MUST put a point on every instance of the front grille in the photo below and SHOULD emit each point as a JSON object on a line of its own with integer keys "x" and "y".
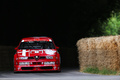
{"x": 39, "y": 63}
{"x": 41, "y": 57}
{"x": 27, "y": 68}
{"x": 49, "y": 67}
{"x": 36, "y": 63}
{"x": 30, "y": 58}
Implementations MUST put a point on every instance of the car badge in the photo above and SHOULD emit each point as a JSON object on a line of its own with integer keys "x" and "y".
{"x": 36, "y": 57}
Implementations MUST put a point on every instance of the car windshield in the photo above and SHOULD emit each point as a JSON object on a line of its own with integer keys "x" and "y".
{"x": 36, "y": 45}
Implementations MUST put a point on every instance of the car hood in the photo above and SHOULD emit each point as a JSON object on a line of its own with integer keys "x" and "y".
{"x": 34, "y": 52}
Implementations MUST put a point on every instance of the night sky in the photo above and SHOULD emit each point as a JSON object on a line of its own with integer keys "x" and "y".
{"x": 64, "y": 21}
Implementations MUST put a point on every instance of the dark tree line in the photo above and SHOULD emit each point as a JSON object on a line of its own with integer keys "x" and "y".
{"x": 65, "y": 21}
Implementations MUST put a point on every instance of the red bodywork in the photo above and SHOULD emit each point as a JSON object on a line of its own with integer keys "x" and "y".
{"x": 36, "y": 59}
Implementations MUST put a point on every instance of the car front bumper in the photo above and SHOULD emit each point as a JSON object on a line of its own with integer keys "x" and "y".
{"x": 36, "y": 68}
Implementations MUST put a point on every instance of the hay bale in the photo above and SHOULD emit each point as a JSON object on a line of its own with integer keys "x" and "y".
{"x": 102, "y": 52}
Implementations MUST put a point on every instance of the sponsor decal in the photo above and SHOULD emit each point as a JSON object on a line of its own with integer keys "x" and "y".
{"x": 24, "y": 52}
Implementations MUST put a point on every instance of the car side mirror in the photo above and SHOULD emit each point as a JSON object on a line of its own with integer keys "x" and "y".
{"x": 16, "y": 48}
{"x": 57, "y": 47}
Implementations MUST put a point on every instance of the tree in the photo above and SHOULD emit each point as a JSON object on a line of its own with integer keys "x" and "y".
{"x": 112, "y": 25}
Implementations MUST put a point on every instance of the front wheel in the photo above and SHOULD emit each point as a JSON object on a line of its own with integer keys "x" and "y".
{"x": 16, "y": 72}
{"x": 58, "y": 71}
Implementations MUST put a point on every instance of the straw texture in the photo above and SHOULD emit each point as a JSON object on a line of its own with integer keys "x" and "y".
{"x": 102, "y": 52}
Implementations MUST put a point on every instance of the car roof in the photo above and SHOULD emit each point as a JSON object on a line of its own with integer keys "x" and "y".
{"x": 36, "y": 39}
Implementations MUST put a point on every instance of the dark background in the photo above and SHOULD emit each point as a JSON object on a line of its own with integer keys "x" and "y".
{"x": 66, "y": 21}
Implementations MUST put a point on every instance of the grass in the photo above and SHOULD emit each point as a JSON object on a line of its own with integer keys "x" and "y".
{"x": 95, "y": 70}
{"x": 91, "y": 70}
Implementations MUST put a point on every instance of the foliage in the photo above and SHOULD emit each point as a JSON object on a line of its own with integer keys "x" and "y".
{"x": 111, "y": 26}
{"x": 107, "y": 72}
{"x": 95, "y": 70}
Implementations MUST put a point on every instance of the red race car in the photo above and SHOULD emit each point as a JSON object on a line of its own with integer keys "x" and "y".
{"x": 37, "y": 54}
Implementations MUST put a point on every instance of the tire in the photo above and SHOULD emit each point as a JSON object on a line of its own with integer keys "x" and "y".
{"x": 16, "y": 72}
{"x": 58, "y": 71}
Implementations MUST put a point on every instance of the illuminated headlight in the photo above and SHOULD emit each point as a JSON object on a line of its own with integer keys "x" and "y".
{"x": 47, "y": 63}
{"x": 24, "y": 63}
{"x": 23, "y": 57}
{"x": 49, "y": 57}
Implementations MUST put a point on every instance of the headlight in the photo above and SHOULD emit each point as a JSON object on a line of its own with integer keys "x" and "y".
{"x": 51, "y": 52}
{"x": 47, "y": 63}
{"x": 23, "y": 57}
{"x": 49, "y": 57}
{"x": 24, "y": 63}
